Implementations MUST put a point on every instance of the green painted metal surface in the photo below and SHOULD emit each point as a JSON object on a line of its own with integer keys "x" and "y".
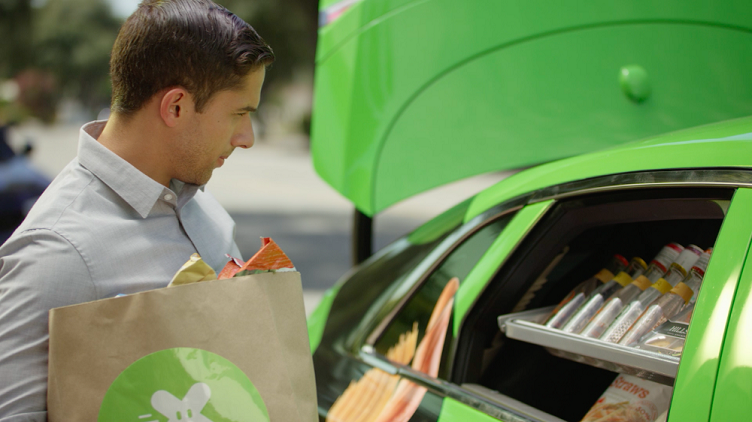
{"x": 317, "y": 319}
{"x": 733, "y": 390}
{"x": 698, "y": 369}
{"x": 453, "y": 411}
{"x": 410, "y": 95}
{"x": 725, "y": 144}
{"x": 440, "y": 224}
{"x": 500, "y": 249}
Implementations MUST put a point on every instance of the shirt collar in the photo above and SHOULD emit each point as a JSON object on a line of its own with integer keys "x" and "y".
{"x": 137, "y": 189}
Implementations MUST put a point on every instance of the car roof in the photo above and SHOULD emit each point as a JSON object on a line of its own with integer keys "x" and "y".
{"x": 726, "y": 144}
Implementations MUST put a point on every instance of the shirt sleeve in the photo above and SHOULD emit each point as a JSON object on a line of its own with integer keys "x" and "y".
{"x": 39, "y": 270}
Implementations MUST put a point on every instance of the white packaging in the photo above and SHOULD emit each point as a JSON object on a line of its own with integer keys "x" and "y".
{"x": 630, "y": 399}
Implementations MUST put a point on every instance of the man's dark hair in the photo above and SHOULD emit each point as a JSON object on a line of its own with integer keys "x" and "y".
{"x": 196, "y": 44}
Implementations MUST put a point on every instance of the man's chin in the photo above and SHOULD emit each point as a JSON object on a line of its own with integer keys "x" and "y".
{"x": 196, "y": 180}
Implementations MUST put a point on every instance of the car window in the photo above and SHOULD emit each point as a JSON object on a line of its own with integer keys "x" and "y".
{"x": 376, "y": 279}
{"x": 458, "y": 264}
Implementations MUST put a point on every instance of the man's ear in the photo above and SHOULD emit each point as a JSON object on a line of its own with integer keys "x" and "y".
{"x": 174, "y": 106}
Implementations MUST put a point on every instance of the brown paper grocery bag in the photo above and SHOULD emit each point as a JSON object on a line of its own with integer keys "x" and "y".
{"x": 226, "y": 350}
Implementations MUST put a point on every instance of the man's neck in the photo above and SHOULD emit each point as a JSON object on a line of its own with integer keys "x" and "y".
{"x": 139, "y": 142}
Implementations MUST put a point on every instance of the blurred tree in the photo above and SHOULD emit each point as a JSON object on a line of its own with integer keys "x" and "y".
{"x": 290, "y": 28}
{"x": 15, "y": 31}
{"x": 38, "y": 93}
{"x": 72, "y": 40}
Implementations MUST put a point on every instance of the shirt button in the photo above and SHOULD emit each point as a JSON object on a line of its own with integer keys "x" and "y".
{"x": 168, "y": 197}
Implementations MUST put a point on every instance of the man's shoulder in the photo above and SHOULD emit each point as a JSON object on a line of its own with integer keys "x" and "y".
{"x": 59, "y": 197}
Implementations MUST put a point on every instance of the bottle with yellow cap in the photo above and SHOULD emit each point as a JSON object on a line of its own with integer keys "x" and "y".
{"x": 667, "y": 305}
{"x": 616, "y": 303}
{"x": 583, "y": 315}
{"x": 634, "y": 309}
{"x": 566, "y": 308}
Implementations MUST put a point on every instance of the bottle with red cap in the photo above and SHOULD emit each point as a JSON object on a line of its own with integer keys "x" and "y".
{"x": 566, "y": 308}
{"x": 613, "y": 306}
{"x": 669, "y": 304}
{"x": 634, "y": 309}
{"x": 586, "y": 312}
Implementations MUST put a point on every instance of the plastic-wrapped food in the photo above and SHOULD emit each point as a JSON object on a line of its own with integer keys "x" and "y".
{"x": 585, "y": 312}
{"x": 669, "y": 337}
{"x": 613, "y": 306}
{"x": 571, "y": 302}
{"x": 630, "y": 399}
{"x": 634, "y": 309}
{"x": 659, "y": 266}
{"x": 667, "y": 305}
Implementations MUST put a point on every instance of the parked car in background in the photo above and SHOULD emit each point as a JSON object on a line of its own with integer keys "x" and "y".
{"x": 410, "y": 95}
{"x": 20, "y": 186}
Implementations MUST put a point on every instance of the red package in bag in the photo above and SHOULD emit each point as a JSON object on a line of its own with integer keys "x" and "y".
{"x": 269, "y": 258}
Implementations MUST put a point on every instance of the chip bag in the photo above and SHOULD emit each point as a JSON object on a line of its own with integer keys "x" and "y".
{"x": 630, "y": 399}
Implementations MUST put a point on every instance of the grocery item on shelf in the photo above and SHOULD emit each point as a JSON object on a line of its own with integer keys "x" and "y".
{"x": 669, "y": 304}
{"x": 695, "y": 292}
{"x": 630, "y": 399}
{"x": 678, "y": 269}
{"x": 583, "y": 315}
{"x": 634, "y": 309}
{"x": 611, "y": 308}
{"x": 571, "y": 302}
{"x": 659, "y": 266}
{"x": 669, "y": 337}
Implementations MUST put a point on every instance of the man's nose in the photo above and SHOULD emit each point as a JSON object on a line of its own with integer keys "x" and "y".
{"x": 244, "y": 136}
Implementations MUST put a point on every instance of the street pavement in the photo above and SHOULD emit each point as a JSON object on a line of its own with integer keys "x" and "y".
{"x": 272, "y": 190}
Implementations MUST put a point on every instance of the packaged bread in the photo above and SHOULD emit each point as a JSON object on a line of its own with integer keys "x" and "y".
{"x": 630, "y": 399}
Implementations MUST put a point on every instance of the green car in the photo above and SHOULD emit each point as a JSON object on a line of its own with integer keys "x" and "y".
{"x": 414, "y": 94}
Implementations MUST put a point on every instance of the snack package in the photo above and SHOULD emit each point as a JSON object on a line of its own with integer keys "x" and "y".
{"x": 669, "y": 337}
{"x": 269, "y": 258}
{"x": 630, "y": 399}
{"x": 193, "y": 271}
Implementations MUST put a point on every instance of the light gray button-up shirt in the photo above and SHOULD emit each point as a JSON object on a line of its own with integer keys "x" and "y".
{"x": 101, "y": 228}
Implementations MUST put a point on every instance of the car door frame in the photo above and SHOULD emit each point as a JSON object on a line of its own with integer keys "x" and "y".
{"x": 722, "y": 178}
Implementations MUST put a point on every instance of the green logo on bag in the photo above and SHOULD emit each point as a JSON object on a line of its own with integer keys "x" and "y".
{"x": 182, "y": 385}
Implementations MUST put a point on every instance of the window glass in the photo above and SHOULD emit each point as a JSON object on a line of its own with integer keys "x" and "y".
{"x": 458, "y": 264}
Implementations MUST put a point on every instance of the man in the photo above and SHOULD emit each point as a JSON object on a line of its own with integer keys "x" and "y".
{"x": 130, "y": 209}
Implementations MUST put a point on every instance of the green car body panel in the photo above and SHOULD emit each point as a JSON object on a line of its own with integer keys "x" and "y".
{"x": 698, "y": 371}
{"x": 494, "y": 257}
{"x": 413, "y": 94}
{"x": 452, "y": 411}
{"x": 724, "y": 144}
{"x": 734, "y": 386}
{"x": 716, "y": 146}
{"x": 410, "y": 95}
{"x": 317, "y": 320}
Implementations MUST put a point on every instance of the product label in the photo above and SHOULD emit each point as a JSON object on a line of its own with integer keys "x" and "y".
{"x": 642, "y": 282}
{"x": 623, "y": 278}
{"x": 630, "y": 399}
{"x": 662, "y": 286}
{"x": 183, "y": 385}
{"x": 683, "y": 291}
{"x": 630, "y": 387}
{"x": 673, "y": 329}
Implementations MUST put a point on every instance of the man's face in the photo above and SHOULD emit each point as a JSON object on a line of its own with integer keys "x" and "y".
{"x": 211, "y": 136}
